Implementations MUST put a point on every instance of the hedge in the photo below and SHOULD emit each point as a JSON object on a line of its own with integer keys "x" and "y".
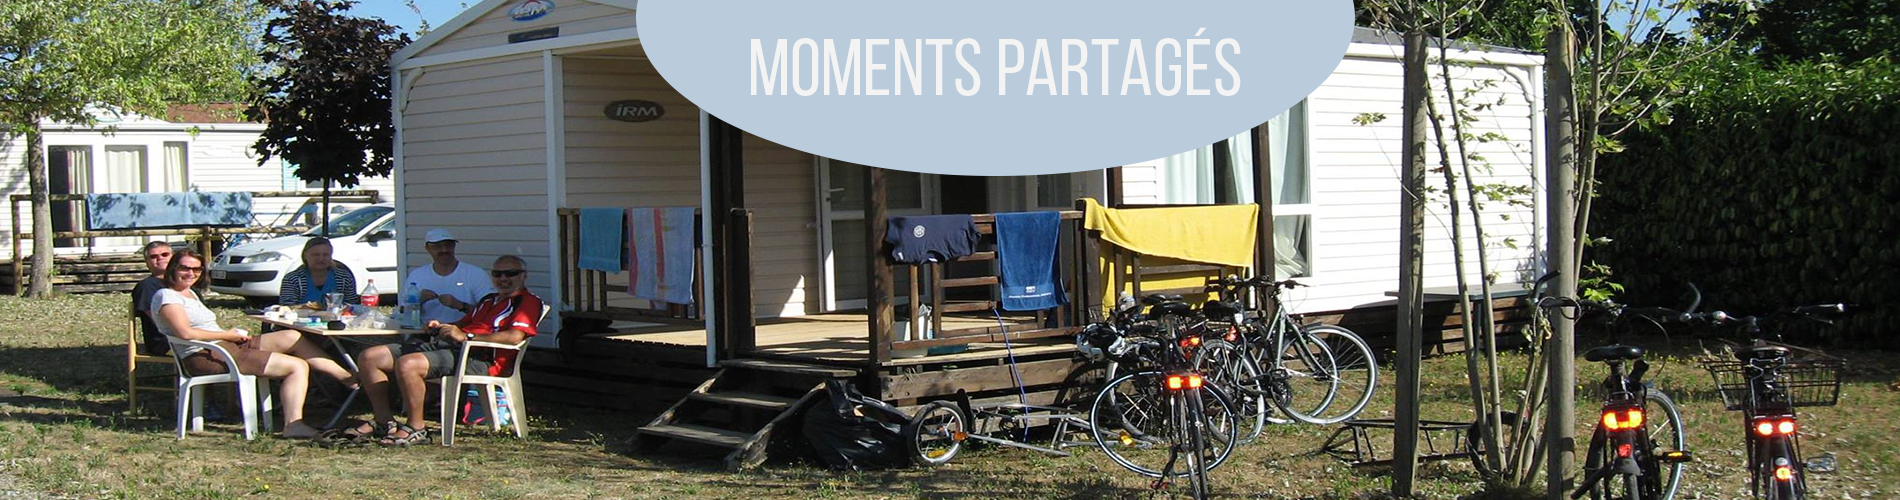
{"x": 1769, "y": 188}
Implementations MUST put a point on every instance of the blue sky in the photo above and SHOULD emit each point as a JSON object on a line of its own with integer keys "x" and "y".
{"x": 397, "y": 12}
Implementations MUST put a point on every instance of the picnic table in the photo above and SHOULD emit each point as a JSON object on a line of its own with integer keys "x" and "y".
{"x": 336, "y": 338}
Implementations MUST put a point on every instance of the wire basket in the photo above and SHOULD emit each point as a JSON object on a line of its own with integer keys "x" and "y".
{"x": 1808, "y": 382}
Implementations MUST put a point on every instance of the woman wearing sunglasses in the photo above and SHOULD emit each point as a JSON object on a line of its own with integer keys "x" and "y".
{"x": 182, "y": 314}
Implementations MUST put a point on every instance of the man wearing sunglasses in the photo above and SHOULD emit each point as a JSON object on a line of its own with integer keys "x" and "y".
{"x": 157, "y": 255}
{"x": 507, "y": 316}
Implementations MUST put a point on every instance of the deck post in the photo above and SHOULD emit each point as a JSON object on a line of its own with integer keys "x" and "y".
{"x": 1266, "y": 259}
{"x": 732, "y": 276}
{"x": 877, "y": 300}
{"x": 1113, "y": 191}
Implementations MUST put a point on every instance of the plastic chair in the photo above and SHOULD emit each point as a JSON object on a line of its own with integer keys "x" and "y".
{"x": 134, "y": 338}
{"x": 517, "y": 401}
{"x": 252, "y": 395}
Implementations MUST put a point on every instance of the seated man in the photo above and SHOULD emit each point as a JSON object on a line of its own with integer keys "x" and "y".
{"x": 505, "y": 317}
{"x": 157, "y": 255}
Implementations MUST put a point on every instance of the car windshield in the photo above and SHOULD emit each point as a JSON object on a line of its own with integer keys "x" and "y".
{"x": 352, "y": 222}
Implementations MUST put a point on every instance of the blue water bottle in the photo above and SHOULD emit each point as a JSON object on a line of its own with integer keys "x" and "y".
{"x": 503, "y": 414}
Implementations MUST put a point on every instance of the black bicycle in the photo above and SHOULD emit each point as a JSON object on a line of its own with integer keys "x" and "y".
{"x": 1766, "y": 381}
{"x": 1638, "y": 447}
{"x": 1163, "y": 420}
{"x": 1314, "y": 373}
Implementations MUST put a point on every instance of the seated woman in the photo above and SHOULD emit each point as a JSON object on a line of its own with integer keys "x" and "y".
{"x": 317, "y": 277}
{"x": 181, "y": 313}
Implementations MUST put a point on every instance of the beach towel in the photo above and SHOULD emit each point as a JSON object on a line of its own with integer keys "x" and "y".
{"x": 1026, "y": 245}
{"x": 603, "y": 237}
{"x": 660, "y": 254}
{"x": 918, "y": 239}
{"x": 1213, "y": 234}
{"x": 160, "y": 210}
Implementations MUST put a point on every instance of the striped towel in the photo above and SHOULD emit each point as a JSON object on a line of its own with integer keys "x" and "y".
{"x": 660, "y": 254}
{"x": 603, "y": 236}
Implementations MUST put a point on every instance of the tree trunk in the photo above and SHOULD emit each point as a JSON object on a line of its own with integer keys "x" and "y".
{"x": 1561, "y": 119}
{"x": 42, "y": 275}
{"x": 1411, "y": 269}
{"x": 1489, "y": 409}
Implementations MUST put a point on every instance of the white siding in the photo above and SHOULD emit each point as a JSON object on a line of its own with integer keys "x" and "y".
{"x": 475, "y": 162}
{"x": 573, "y": 17}
{"x": 1356, "y": 182}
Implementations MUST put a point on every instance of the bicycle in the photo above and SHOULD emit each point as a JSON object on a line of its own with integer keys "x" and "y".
{"x": 1164, "y": 411}
{"x": 1766, "y": 383}
{"x": 1303, "y": 370}
{"x": 1638, "y": 448}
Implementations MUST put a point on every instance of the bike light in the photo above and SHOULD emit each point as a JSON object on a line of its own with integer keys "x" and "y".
{"x": 1623, "y": 450}
{"x": 1126, "y": 439}
{"x": 959, "y": 435}
{"x": 1785, "y": 427}
{"x": 1194, "y": 381}
{"x": 1675, "y": 457}
{"x": 1610, "y": 421}
{"x": 1765, "y": 428}
{"x": 1175, "y": 382}
{"x": 1633, "y": 419}
{"x": 1627, "y": 419}
{"x": 1784, "y": 473}
{"x": 1232, "y": 334}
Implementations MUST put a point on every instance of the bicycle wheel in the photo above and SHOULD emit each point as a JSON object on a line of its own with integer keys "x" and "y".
{"x": 1326, "y": 374}
{"x": 1226, "y": 365}
{"x": 1194, "y": 444}
{"x": 1133, "y": 421}
{"x": 935, "y": 434}
{"x": 1665, "y": 433}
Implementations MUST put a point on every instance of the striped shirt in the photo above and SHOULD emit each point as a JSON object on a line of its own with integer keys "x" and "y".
{"x": 297, "y": 285}
{"x": 496, "y": 313}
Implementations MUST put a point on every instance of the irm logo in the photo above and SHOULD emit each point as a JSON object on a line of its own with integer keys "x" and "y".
{"x": 634, "y": 111}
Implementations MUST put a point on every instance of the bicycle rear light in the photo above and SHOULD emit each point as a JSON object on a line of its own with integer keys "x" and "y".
{"x": 1194, "y": 341}
{"x": 1188, "y": 381}
{"x": 1194, "y": 381}
{"x": 1784, "y": 473}
{"x": 1175, "y": 382}
{"x": 1623, "y": 450}
{"x": 1770, "y": 426}
{"x": 1233, "y": 334}
{"x": 1623, "y": 419}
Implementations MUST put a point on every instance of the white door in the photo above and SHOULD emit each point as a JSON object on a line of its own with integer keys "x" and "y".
{"x": 842, "y": 237}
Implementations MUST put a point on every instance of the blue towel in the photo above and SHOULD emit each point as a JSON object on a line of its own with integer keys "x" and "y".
{"x": 660, "y": 254}
{"x": 160, "y": 210}
{"x": 603, "y": 236}
{"x": 917, "y": 239}
{"x": 1026, "y": 245}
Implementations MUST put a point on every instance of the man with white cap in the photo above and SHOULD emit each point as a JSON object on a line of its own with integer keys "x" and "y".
{"x": 448, "y": 287}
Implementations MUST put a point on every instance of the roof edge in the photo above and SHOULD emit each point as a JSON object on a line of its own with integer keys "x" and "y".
{"x": 469, "y": 16}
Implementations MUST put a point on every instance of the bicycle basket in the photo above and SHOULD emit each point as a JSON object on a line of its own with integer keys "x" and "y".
{"x": 1808, "y": 382}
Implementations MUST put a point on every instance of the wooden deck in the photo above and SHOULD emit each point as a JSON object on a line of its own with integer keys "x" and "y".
{"x": 841, "y": 339}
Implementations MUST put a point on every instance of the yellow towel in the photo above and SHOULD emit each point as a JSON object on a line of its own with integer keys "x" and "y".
{"x": 1213, "y": 234}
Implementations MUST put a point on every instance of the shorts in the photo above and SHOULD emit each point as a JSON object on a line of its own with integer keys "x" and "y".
{"x": 441, "y": 354}
{"x": 250, "y": 360}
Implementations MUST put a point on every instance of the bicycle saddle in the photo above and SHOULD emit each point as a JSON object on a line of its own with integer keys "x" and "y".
{"x": 1220, "y": 310}
{"x": 1171, "y": 308}
{"x": 1761, "y": 352}
{"x": 1160, "y": 298}
{"x": 1617, "y": 352}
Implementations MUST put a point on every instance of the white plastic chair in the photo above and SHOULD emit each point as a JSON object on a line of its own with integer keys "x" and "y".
{"x": 517, "y": 400}
{"x": 252, "y": 396}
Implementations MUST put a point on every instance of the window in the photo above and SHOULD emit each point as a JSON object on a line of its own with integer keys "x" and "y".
{"x": 1223, "y": 173}
{"x": 177, "y": 169}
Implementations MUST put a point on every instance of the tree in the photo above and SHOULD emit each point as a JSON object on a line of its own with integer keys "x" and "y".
{"x": 60, "y": 58}
{"x": 1809, "y": 30}
{"x": 326, "y": 98}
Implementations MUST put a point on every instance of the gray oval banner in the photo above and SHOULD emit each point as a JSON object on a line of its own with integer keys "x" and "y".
{"x": 634, "y": 111}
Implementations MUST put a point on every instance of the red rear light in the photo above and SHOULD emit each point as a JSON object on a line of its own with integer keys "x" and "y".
{"x": 1769, "y": 427}
{"x": 1765, "y": 428}
{"x": 1633, "y": 419}
{"x": 1610, "y": 421}
{"x": 1232, "y": 334}
{"x": 1623, "y": 450}
{"x": 1175, "y": 382}
{"x": 1194, "y": 381}
{"x": 1188, "y": 381}
{"x": 1626, "y": 419}
{"x": 1784, "y": 473}
{"x": 1785, "y": 427}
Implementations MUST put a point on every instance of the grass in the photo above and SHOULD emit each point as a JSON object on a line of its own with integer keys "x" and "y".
{"x": 68, "y": 434}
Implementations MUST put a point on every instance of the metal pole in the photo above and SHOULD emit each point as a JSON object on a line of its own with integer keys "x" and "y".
{"x": 1561, "y": 119}
{"x": 1411, "y": 269}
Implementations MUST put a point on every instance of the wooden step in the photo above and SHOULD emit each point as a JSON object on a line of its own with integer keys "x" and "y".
{"x": 747, "y": 399}
{"x": 981, "y": 305}
{"x": 699, "y": 434}
{"x": 790, "y": 367}
{"x": 968, "y": 282}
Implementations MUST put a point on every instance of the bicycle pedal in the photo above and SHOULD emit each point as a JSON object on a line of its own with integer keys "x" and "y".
{"x": 1158, "y": 484}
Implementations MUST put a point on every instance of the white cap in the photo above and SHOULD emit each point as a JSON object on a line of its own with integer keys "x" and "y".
{"x": 438, "y": 235}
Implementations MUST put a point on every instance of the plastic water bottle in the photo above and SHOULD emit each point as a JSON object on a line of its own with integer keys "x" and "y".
{"x": 503, "y": 414}
{"x": 473, "y": 411}
{"x": 411, "y": 304}
{"x": 370, "y": 295}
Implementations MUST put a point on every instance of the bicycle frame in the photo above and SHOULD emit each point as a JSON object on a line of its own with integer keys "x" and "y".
{"x": 1774, "y": 443}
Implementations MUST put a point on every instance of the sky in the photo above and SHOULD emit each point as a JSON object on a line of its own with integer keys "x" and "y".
{"x": 397, "y": 12}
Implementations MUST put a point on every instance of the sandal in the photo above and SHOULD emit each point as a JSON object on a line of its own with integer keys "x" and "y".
{"x": 410, "y": 435}
{"x": 353, "y": 436}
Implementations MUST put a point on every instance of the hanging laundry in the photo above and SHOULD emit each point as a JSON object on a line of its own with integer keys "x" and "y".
{"x": 603, "y": 238}
{"x": 916, "y": 239}
{"x": 1026, "y": 244}
{"x": 660, "y": 254}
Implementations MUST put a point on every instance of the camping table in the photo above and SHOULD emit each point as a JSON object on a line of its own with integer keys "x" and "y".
{"x": 336, "y": 339}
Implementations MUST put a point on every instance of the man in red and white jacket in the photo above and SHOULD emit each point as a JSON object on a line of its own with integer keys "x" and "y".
{"x": 507, "y": 316}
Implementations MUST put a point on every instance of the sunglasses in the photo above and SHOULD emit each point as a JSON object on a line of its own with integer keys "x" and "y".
{"x": 507, "y": 273}
{"x": 198, "y": 269}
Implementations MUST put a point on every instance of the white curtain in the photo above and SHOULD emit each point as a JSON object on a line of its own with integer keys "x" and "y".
{"x": 1187, "y": 178}
{"x": 124, "y": 172}
{"x": 1286, "y": 157}
{"x": 176, "y": 171}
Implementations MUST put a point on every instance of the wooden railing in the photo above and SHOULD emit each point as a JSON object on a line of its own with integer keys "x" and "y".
{"x": 1072, "y": 265}
{"x": 586, "y": 289}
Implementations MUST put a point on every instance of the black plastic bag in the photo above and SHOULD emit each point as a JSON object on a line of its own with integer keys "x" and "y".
{"x": 852, "y": 432}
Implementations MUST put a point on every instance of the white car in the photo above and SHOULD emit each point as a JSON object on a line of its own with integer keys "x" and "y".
{"x": 364, "y": 239}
